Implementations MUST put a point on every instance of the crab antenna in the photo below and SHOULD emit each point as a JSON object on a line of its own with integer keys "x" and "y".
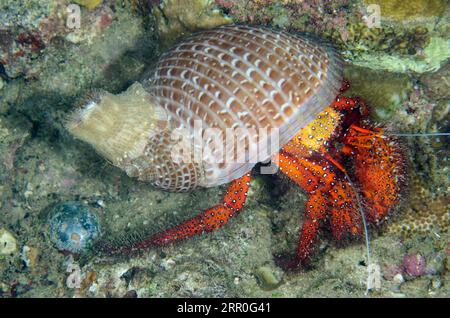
{"x": 421, "y": 134}
{"x": 363, "y": 217}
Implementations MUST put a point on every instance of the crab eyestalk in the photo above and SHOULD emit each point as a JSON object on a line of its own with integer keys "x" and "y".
{"x": 118, "y": 126}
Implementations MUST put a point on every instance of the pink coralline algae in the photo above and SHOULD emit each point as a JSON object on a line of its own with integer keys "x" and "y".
{"x": 414, "y": 264}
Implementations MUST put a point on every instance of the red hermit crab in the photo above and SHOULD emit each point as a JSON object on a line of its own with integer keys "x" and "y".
{"x": 227, "y": 98}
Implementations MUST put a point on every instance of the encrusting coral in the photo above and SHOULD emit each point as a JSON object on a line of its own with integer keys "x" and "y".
{"x": 423, "y": 212}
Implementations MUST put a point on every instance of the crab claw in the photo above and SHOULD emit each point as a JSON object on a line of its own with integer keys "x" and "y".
{"x": 379, "y": 168}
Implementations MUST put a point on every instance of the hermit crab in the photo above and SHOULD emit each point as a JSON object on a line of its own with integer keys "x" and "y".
{"x": 225, "y": 99}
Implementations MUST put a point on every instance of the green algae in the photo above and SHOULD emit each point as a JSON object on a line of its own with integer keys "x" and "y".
{"x": 435, "y": 54}
{"x": 177, "y": 18}
{"x": 404, "y": 45}
{"x": 279, "y": 15}
{"x": 90, "y": 4}
{"x": 401, "y": 10}
{"x": 267, "y": 279}
{"x": 361, "y": 39}
{"x": 384, "y": 92}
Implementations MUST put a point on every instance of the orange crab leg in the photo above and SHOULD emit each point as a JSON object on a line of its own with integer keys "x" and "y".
{"x": 315, "y": 212}
{"x": 309, "y": 173}
{"x": 207, "y": 221}
{"x": 304, "y": 172}
{"x": 329, "y": 195}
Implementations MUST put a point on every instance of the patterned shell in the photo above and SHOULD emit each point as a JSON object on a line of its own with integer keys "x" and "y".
{"x": 246, "y": 77}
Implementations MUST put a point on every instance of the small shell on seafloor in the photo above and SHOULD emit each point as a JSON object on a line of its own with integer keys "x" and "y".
{"x": 73, "y": 227}
{"x": 260, "y": 84}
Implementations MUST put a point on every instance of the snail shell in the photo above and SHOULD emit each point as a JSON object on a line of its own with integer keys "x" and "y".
{"x": 258, "y": 85}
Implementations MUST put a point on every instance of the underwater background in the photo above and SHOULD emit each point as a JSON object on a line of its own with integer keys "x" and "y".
{"x": 58, "y": 198}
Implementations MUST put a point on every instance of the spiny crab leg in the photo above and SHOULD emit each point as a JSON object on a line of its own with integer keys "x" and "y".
{"x": 314, "y": 214}
{"x": 329, "y": 195}
{"x": 205, "y": 222}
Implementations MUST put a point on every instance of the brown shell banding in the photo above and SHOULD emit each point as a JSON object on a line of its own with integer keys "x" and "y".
{"x": 248, "y": 77}
{"x": 161, "y": 169}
